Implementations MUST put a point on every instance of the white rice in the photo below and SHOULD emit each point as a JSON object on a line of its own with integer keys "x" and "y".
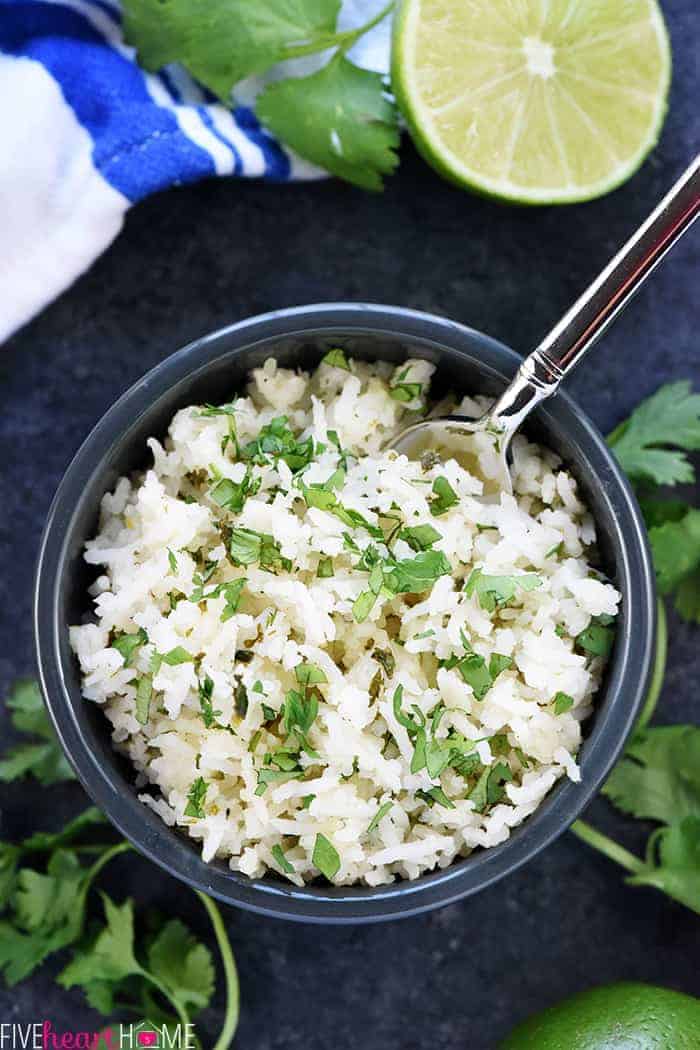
{"x": 159, "y": 530}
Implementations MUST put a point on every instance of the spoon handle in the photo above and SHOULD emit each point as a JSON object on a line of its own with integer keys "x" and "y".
{"x": 594, "y": 311}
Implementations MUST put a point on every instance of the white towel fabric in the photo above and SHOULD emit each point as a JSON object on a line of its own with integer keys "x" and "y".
{"x": 85, "y": 133}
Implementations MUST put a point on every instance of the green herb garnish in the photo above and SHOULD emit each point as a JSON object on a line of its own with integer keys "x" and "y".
{"x": 444, "y": 497}
{"x": 562, "y": 702}
{"x": 195, "y": 799}
{"x": 381, "y": 812}
{"x": 336, "y": 359}
{"x": 129, "y": 644}
{"x": 281, "y": 859}
{"x": 325, "y": 857}
{"x": 496, "y": 591}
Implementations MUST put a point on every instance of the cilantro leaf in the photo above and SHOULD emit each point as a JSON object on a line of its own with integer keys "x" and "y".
{"x": 183, "y": 965}
{"x": 379, "y": 815}
{"x": 205, "y": 690}
{"x": 562, "y": 702}
{"x": 278, "y": 854}
{"x": 48, "y": 914}
{"x": 247, "y": 547}
{"x": 339, "y": 118}
{"x": 659, "y": 776}
{"x": 596, "y": 639}
{"x": 309, "y": 674}
{"x": 415, "y": 575}
{"x": 420, "y": 537}
{"x": 325, "y": 857}
{"x": 144, "y": 691}
{"x": 176, "y": 656}
{"x": 231, "y": 495}
{"x": 336, "y": 358}
{"x": 688, "y": 597}
{"x": 224, "y": 41}
{"x": 276, "y": 441}
{"x": 195, "y": 799}
{"x": 44, "y": 759}
{"x": 129, "y": 644}
{"x": 673, "y": 862}
{"x": 444, "y": 497}
{"x": 496, "y": 591}
{"x": 111, "y": 955}
{"x": 433, "y": 795}
{"x": 670, "y": 417}
{"x": 675, "y": 546}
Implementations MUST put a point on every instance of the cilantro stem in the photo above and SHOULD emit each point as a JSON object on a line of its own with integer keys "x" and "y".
{"x": 612, "y": 850}
{"x": 101, "y": 862}
{"x": 343, "y": 41}
{"x": 230, "y": 973}
{"x": 182, "y": 1015}
{"x": 657, "y": 678}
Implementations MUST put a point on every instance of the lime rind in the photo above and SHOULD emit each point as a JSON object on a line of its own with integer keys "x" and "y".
{"x": 430, "y": 141}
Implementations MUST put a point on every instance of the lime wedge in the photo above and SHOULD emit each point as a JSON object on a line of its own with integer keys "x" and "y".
{"x": 534, "y": 101}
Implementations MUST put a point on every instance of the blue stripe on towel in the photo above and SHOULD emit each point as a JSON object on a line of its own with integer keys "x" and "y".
{"x": 138, "y": 146}
{"x": 277, "y": 164}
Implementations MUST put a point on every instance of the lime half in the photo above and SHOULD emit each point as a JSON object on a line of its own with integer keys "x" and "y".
{"x": 534, "y": 101}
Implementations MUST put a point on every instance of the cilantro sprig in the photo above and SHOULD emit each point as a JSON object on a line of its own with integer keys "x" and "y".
{"x": 658, "y": 778}
{"x": 653, "y": 446}
{"x": 339, "y": 117}
{"x": 47, "y": 884}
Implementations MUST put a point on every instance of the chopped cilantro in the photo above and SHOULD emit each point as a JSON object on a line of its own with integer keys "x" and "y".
{"x": 172, "y": 561}
{"x": 489, "y": 787}
{"x": 381, "y": 812}
{"x": 363, "y": 605}
{"x": 176, "y": 656}
{"x": 420, "y": 537}
{"x": 444, "y": 497}
{"x": 414, "y": 575}
{"x": 195, "y": 799}
{"x": 325, "y": 568}
{"x": 562, "y": 702}
{"x": 499, "y": 662}
{"x": 206, "y": 692}
{"x": 274, "y": 776}
{"x": 597, "y": 639}
{"x": 240, "y": 700}
{"x": 282, "y": 860}
{"x": 309, "y": 674}
{"x": 129, "y": 644}
{"x": 247, "y": 547}
{"x": 300, "y": 711}
{"x": 435, "y": 794}
{"x": 144, "y": 691}
{"x": 276, "y": 441}
{"x": 336, "y": 359}
{"x": 325, "y": 857}
{"x": 231, "y": 495}
{"x": 385, "y": 658}
{"x": 496, "y": 591}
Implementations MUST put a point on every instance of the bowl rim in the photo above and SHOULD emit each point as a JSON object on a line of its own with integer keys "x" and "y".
{"x": 340, "y": 905}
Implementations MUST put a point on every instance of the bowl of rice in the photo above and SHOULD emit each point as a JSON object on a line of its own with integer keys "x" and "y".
{"x": 311, "y": 676}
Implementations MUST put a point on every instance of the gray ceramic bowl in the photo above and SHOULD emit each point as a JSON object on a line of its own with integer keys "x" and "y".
{"x": 212, "y": 369}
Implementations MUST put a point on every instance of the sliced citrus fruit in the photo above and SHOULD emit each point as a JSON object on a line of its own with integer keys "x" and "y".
{"x": 534, "y": 101}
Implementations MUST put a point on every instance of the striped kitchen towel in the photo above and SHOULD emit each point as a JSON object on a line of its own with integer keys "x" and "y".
{"x": 85, "y": 133}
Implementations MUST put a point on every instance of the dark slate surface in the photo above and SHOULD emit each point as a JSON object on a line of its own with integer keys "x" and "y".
{"x": 193, "y": 259}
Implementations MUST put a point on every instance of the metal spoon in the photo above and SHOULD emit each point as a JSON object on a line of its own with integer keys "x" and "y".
{"x": 561, "y": 350}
